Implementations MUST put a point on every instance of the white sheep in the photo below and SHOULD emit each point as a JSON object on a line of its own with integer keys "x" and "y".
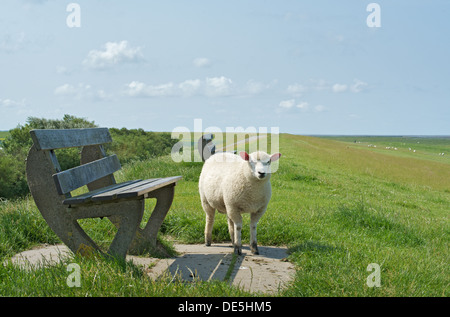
{"x": 235, "y": 184}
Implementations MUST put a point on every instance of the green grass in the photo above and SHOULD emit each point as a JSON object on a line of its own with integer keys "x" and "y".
{"x": 3, "y": 135}
{"x": 337, "y": 205}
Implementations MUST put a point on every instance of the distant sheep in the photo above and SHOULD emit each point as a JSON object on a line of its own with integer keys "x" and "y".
{"x": 235, "y": 184}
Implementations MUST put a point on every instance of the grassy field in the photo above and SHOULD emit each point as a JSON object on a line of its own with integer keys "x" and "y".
{"x": 338, "y": 206}
{"x": 3, "y": 135}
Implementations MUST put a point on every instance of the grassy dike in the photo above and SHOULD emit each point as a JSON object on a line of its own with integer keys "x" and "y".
{"x": 337, "y": 205}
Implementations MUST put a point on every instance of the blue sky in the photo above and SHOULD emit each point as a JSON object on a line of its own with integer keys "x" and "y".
{"x": 307, "y": 67}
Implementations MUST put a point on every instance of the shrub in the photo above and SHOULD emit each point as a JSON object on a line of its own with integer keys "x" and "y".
{"x": 16, "y": 145}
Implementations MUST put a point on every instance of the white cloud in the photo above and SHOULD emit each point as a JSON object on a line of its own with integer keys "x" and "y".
{"x": 9, "y": 103}
{"x": 81, "y": 92}
{"x": 190, "y": 87}
{"x": 296, "y": 89}
{"x": 113, "y": 53}
{"x": 318, "y": 85}
{"x": 253, "y": 87}
{"x": 358, "y": 86}
{"x": 65, "y": 90}
{"x": 202, "y": 62}
{"x": 339, "y": 88}
{"x": 139, "y": 89}
{"x": 218, "y": 86}
{"x": 11, "y": 107}
{"x": 162, "y": 90}
{"x": 287, "y": 104}
{"x": 303, "y": 106}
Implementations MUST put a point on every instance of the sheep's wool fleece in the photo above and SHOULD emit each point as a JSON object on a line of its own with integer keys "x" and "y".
{"x": 226, "y": 182}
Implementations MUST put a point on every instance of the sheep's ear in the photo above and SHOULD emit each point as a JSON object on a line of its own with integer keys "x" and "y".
{"x": 244, "y": 155}
{"x": 275, "y": 157}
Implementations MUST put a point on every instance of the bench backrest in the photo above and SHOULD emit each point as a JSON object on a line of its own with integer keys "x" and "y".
{"x": 71, "y": 179}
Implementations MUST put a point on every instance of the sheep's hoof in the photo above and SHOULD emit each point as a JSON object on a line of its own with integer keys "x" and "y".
{"x": 254, "y": 248}
{"x": 237, "y": 250}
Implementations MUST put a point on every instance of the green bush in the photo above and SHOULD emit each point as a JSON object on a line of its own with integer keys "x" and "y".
{"x": 16, "y": 145}
{"x": 12, "y": 177}
{"x": 136, "y": 144}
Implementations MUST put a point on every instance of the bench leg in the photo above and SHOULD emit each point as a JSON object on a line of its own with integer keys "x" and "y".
{"x": 129, "y": 218}
{"x": 39, "y": 169}
{"x": 128, "y": 215}
{"x": 146, "y": 239}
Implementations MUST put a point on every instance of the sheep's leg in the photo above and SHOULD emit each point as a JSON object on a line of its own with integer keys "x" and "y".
{"x": 231, "y": 229}
{"x": 210, "y": 214}
{"x": 254, "y": 218}
{"x": 237, "y": 220}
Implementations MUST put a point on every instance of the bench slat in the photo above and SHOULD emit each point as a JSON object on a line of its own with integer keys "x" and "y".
{"x": 112, "y": 194}
{"x": 49, "y": 139}
{"x": 131, "y": 189}
{"x": 141, "y": 190}
{"x": 76, "y": 177}
{"x": 84, "y": 198}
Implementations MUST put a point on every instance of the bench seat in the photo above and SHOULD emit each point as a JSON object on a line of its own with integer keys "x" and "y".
{"x": 127, "y": 190}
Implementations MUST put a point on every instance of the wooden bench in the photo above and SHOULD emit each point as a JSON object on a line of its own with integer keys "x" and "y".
{"x": 122, "y": 203}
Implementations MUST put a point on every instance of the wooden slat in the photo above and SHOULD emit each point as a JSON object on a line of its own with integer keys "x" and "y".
{"x": 141, "y": 190}
{"x": 76, "y": 177}
{"x": 86, "y": 197}
{"x": 112, "y": 194}
{"x": 130, "y": 189}
{"x": 48, "y": 139}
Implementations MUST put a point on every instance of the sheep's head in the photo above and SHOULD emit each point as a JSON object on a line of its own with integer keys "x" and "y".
{"x": 259, "y": 163}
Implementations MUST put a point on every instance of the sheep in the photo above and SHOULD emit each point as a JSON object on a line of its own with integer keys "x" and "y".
{"x": 232, "y": 185}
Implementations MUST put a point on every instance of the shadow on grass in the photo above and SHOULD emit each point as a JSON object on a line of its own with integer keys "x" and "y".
{"x": 312, "y": 246}
{"x": 374, "y": 224}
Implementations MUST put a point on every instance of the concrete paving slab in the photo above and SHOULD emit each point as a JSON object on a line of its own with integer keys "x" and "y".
{"x": 267, "y": 272}
{"x": 44, "y": 255}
